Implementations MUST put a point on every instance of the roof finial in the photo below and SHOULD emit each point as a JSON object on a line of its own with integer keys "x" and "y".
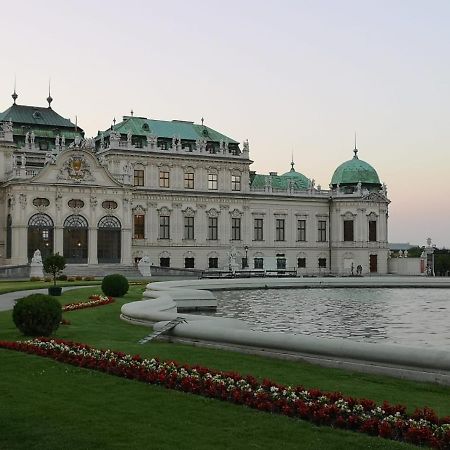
{"x": 14, "y": 96}
{"x": 355, "y": 150}
{"x": 114, "y": 121}
{"x": 49, "y": 98}
{"x": 292, "y": 162}
{"x": 203, "y": 120}
{"x": 132, "y": 112}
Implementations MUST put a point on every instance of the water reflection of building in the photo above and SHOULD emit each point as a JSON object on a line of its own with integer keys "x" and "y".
{"x": 181, "y": 193}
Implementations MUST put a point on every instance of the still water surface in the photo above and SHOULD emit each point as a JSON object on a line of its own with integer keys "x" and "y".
{"x": 418, "y": 317}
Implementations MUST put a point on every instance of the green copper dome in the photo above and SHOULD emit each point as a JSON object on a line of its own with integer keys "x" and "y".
{"x": 301, "y": 182}
{"x": 355, "y": 171}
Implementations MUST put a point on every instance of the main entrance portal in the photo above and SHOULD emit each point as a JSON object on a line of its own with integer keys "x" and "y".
{"x": 76, "y": 239}
{"x": 108, "y": 240}
{"x": 40, "y": 235}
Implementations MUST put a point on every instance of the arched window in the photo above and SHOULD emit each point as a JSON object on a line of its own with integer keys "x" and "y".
{"x": 40, "y": 221}
{"x": 75, "y": 221}
{"x": 109, "y": 240}
{"x": 110, "y": 222}
{"x": 76, "y": 239}
{"x": 40, "y": 235}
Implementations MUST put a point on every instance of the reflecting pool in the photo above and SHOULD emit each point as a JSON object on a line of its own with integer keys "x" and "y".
{"x": 417, "y": 317}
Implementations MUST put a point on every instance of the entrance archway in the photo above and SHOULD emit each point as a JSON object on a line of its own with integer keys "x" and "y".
{"x": 108, "y": 240}
{"x": 76, "y": 239}
{"x": 40, "y": 235}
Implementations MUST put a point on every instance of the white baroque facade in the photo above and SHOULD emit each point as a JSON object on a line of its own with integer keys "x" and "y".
{"x": 181, "y": 194}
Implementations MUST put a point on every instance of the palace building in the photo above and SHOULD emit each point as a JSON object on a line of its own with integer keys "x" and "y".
{"x": 180, "y": 193}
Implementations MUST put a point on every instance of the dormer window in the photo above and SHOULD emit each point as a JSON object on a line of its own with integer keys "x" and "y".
{"x": 146, "y": 127}
{"x": 37, "y": 115}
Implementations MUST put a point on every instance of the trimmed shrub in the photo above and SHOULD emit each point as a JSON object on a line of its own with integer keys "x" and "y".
{"x": 62, "y": 278}
{"x": 37, "y": 315}
{"x": 78, "y": 278}
{"x": 35, "y": 279}
{"x": 89, "y": 278}
{"x": 115, "y": 285}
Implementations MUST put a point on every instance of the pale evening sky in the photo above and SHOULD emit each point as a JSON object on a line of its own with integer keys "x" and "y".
{"x": 291, "y": 76}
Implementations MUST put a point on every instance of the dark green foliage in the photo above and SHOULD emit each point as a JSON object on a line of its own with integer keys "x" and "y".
{"x": 115, "y": 285}
{"x": 54, "y": 264}
{"x": 37, "y": 315}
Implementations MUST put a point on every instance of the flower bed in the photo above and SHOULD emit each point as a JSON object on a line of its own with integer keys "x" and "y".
{"x": 94, "y": 300}
{"x": 423, "y": 427}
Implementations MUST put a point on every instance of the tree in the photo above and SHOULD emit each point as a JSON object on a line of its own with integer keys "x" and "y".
{"x": 54, "y": 264}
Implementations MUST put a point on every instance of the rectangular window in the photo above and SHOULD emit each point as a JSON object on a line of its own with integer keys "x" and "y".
{"x": 212, "y": 228}
{"x": 139, "y": 178}
{"x": 139, "y": 226}
{"x": 258, "y": 230}
{"x": 164, "y": 262}
{"x": 279, "y": 229}
{"x": 258, "y": 263}
{"x": 235, "y": 182}
{"x": 301, "y": 230}
{"x": 212, "y": 181}
{"x": 322, "y": 262}
{"x": 235, "y": 229}
{"x": 189, "y": 228}
{"x": 189, "y": 263}
{"x": 348, "y": 230}
{"x": 301, "y": 263}
{"x": 164, "y": 227}
{"x": 189, "y": 180}
{"x": 281, "y": 263}
{"x": 163, "y": 179}
{"x": 322, "y": 231}
{"x": 213, "y": 263}
{"x": 372, "y": 230}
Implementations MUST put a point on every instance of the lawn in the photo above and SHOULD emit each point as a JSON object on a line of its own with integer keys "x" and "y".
{"x": 53, "y": 405}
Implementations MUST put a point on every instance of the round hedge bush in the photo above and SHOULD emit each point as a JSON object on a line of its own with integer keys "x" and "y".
{"x": 37, "y": 315}
{"x": 115, "y": 285}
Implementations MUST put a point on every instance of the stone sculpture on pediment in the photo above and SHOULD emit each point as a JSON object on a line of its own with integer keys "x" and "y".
{"x": 139, "y": 210}
{"x": 189, "y": 212}
{"x": 76, "y": 169}
{"x": 212, "y": 212}
{"x": 164, "y": 211}
{"x": 236, "y": 213}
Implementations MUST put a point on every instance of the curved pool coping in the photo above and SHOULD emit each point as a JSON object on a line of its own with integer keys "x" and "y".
{"x": 164, "y": 298}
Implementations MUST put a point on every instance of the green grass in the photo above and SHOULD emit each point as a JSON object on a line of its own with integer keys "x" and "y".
{"x": 45, "y": 404}
{"x": 12, "y": 286}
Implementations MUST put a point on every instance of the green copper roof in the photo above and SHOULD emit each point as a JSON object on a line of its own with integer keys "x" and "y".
{"x": 140, "y": 126}
{"x": 35, "y": 116}
{"x": 297, "y": 177}
{"x": 355, "y": 171}
{"x": 300, "y": 182}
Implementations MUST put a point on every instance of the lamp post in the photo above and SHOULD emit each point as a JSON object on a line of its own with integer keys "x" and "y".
{"x": 246, "y": 257}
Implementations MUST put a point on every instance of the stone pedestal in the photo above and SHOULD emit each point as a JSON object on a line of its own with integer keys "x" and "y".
{"x": 36, "y": 270}
{"x": 144, "y": 267}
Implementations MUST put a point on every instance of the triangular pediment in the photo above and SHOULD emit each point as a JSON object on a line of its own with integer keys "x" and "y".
{"x": 376, "y": 197}
{"x": 76, "y": 166}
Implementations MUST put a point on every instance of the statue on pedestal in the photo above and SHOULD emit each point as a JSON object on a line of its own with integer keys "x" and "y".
{"x": 144, "y": 266}
{"x": 36, "y": 266}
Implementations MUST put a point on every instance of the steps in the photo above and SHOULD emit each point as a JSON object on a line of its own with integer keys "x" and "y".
{"x": 101, "y": 270}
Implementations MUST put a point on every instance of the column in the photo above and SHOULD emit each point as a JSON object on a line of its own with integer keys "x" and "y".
{"x": 125, "y": 250}
{"x": 19, "y": 240}
{"x": 58, "y": 240}
{"x": 92, "y": 245}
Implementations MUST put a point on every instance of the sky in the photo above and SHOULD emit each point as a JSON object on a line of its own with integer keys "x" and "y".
{"x": 293, "y": 77}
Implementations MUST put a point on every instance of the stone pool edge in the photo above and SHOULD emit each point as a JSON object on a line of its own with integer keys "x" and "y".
{"x": 167, "y": 300}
